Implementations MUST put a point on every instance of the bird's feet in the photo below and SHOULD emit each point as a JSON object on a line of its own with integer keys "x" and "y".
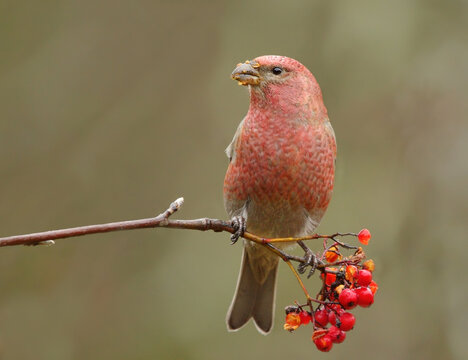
{"x": 310, "y": 259}
{"x": 239, "y": 224}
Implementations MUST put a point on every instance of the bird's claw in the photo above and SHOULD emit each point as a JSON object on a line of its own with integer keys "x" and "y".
{"x": 239, "y": 225}
{"x": 309, "y": 260}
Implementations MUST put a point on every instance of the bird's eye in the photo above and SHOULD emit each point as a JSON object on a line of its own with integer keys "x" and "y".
{"x": 277, "y": 70}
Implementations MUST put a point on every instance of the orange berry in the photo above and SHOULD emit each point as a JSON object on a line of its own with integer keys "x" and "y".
{"x": 333, "y": 254}
{"x": 339, "y": 289}
{"x": 293, "y": 321}
{"x": 373, "y": 286}
{"x": 369, "y": 265}
{"x": 351, "y": 273}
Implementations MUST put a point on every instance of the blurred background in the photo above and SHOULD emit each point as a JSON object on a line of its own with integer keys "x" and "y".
{"x": 110, "y": 110}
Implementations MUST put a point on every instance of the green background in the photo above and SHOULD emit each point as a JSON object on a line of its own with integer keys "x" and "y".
{"x": 110, "y": 110}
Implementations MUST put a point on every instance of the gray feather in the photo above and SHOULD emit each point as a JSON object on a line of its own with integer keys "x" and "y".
{"x": 253, "y": 298}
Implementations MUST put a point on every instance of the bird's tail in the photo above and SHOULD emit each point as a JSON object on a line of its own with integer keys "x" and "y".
{"x": 254, "y": 296}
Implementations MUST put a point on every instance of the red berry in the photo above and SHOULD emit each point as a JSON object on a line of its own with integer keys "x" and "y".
{"x": 332, "y": 316}
{"x": 364, "y": 277}
{"x": 321, "y": 317}
{"x": 347, "y": 321}
{"x": 341, "y": 337}
{"x": 348, "y": 298}
{"x": 330, "y": 278}
{"x": 324, "y": 343}
{"x": 329, "y": 275}
{"x": 365, "y": 296}
{"x": 305, "y": 317}
{"x": 337, "y": 336}
{"x": 331, "y": 296}
{"x": 336, "y": 307}
{"x": 364, "y": 236}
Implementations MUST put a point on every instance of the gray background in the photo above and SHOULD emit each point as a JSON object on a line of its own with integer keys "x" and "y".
{"x": 109, "y": 110}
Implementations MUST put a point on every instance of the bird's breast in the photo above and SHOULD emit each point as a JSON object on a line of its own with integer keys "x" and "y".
{"x": 282, "y": 170}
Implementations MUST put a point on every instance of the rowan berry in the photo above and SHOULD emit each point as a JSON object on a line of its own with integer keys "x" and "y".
{"x": 373, "y": 286}
{"x": 339, "y": 289}
{"x": 305, "y": 317}
{"x": 319, "y": 333}
{"x": 346, "y": 322}
{"x": 293, "y": 321}
{"x": 365, "y": 296}
{"x": 346, "y": 283}
{"x": 330, "y": 278}
{"x": 364, "y": 236}
{"x": 337, "y": 336}
{"x": 333, "y": 254}
{"x": 321, "y": 317}
{"x": 348, "y": 298}
{"x": 369, "y": 265}
{"x": 324, "y": 343}
{"x": 364, "y": 277}
{"x": 333, "y": 315}
{"x": 351, "y": 273}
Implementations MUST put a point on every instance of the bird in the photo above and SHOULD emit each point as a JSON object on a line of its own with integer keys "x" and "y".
{"x": 280, "y": 175}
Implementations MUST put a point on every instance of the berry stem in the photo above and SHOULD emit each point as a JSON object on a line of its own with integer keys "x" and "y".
{"x": 308, "y": 297}
{"x": 312, "y": 237}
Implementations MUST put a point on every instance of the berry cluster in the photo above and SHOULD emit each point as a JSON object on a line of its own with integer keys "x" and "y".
{"x": 346, "y": 283}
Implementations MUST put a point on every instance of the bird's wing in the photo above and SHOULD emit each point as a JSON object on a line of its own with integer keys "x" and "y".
{"x": 326, "y": 165}
{"x": 231, "y": 149}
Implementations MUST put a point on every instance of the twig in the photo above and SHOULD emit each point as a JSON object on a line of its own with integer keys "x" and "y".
{"x": 162, "y": 220}
{"x": 312, "y": 237}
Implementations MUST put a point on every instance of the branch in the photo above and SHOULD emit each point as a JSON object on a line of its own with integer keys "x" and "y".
{"x": 162, "y": 220}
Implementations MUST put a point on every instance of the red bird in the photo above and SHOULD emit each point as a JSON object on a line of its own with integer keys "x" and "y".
{"x": 280, "y": 176}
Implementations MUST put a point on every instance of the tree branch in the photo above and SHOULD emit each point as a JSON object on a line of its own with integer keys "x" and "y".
{"x": 162, "y": 220}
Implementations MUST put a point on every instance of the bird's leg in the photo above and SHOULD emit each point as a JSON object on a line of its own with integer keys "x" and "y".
{"x": 239, "y": 224}
{"x": 309, "y": 260}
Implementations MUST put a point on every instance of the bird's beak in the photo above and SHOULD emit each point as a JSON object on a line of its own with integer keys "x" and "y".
{"x": 247, "y": 73}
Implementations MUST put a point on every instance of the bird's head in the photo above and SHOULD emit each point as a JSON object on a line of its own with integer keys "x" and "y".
{"x": 280, "y": 82}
